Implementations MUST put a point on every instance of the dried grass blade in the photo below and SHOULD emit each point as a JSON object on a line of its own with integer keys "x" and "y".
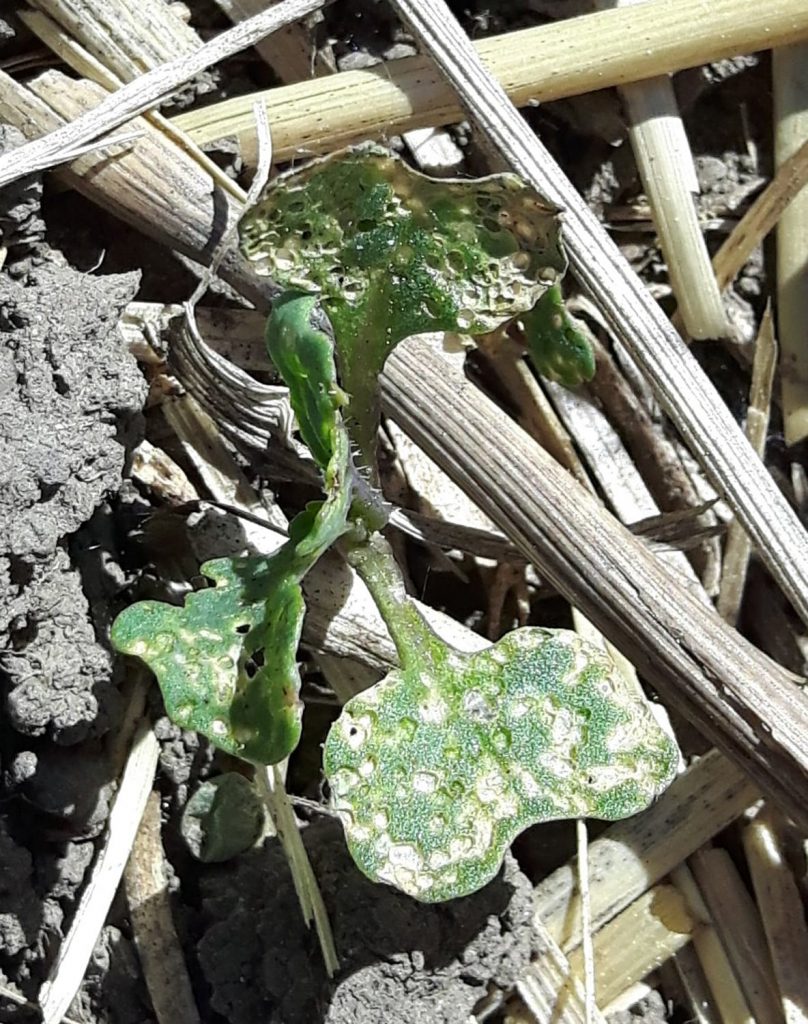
{"x": 790, "y": 73}
{"x": 738, "y": 548}
{"x": 156, "y": 939}
{"x": 74, "y": 954}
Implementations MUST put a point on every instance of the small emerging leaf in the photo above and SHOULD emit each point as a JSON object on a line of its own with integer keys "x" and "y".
{"x": 438, "y": 767}
{"x": 304, "y": 356}
{"x": 391, "y": 253}
{"x": 558, "y": 348}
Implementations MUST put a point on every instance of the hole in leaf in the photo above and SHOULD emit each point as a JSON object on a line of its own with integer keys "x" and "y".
{"x": 243, "y": 628}
{"x": 432, "y": 307}
{"x": 455, "y": 260}
{"x": 253, "y": 663}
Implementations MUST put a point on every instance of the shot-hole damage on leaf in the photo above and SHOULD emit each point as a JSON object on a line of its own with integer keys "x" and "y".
{"x": 435, "y": 770}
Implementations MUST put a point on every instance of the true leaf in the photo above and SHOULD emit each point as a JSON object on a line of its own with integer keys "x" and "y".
{"x": 390, "y": 253}
{"x": 227, "y": 660}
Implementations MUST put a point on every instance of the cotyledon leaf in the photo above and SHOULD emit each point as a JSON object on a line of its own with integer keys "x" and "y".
{"x": 391, "y": 253}
{"x": 227, "y": 660}
{"x": 438, "y": 767}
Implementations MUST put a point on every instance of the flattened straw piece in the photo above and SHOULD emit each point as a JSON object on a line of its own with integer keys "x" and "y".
{"x": 549, "y": 989}
{"x": 738, "y": 548}
{"x": 694, "y": 985}
{"x": 147, "y": 90}
{"x": 740, "y": 929}
{"x": 781, "y": 908}
{"x": 790, "y": 73}
{"x": 643, "y": 936}
{"x": 155, "y": 937}
{"x": 67, "y": 972}
{"x": 730, "y": 1000}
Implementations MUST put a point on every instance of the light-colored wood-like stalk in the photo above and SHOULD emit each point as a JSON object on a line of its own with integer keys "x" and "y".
{"x": 92, "y": 33}
{"x": 681, "y": 386}
{"x": 726, "y": 992}
{"x": 147, "y": 90}
{"x": 739, "y": 927}
{"x": 646, "y": 934}
{"x": 738, "y": 548}
{"x": 155, "y": 937}
{"x": 548, "y": 988}
{"x": 692, "y": 981}
{"x": 567, "y": 58}
{"x": 633, "y": 855}
{"x": 665, "y": 163}
{"x": 790, "y": 70}
{"x": 67, "y": 972}
{"x": 790, "y": 179}
{"x": 781, "y": 908}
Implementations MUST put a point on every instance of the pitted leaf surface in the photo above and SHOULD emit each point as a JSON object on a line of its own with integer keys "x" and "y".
{"x": 391, "y": 253}
{"x": 227, "y": 660}
{"x": 437, "y": 768}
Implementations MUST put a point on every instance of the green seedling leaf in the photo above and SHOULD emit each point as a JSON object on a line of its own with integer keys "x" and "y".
{"x": 304, "y": 356}
{"x": 223, "y": 818}
{"x": 390, "y": 253}
{"x": 227, "y": 661}
{"x": 438, "y": 767}
{"x": 558, "y": 348}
